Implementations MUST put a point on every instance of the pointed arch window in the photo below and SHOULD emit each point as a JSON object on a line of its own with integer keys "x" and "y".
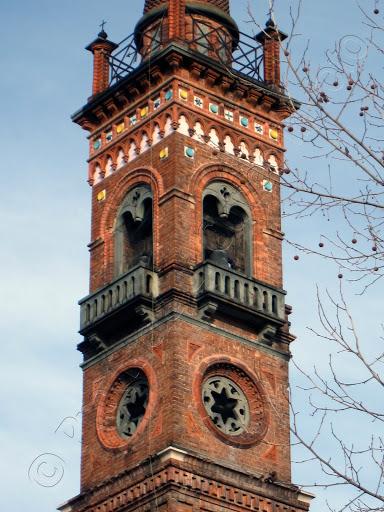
{"x": 227, "y": 228}
{"x": 134, "y": 230}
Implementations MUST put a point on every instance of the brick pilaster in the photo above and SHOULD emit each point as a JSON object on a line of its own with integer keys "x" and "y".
{"x": 176, "y": 16}
{"x": 271, "y": 39}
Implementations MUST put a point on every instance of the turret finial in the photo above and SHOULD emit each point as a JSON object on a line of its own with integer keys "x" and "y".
{"x": 103, "y": 33}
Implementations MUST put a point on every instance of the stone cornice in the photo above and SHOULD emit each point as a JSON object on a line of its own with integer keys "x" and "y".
{"x": 175, "y": 315}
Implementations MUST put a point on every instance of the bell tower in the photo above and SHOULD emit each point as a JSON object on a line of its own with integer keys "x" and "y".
{"x": 185, "y": 327}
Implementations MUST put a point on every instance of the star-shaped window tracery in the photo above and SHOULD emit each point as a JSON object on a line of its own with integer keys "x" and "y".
{"x": 226, "y": 405}
{"x": 132, "y": 408}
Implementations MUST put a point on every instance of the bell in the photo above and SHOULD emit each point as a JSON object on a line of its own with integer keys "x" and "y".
{"x": 220, "y": 257}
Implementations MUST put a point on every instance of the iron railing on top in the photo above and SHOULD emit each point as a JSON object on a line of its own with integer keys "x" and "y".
{"x": 245, "y": 58}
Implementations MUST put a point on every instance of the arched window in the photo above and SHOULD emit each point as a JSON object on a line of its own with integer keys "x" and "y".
{"x": 227, "y": 227}
{"x": 134, "y": 230}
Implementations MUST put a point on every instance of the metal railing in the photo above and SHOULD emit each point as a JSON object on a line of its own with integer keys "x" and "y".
{"x": 139, "y": 281}
{"x": 241, "y": 290}
{"x": 246, "y": 57}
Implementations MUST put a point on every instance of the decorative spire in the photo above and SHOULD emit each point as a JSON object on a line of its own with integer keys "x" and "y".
{"x": 102, "y": 34}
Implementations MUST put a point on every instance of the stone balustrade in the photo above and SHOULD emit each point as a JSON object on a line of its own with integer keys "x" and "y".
{"x": 139, "y": 281}
{"x": 240, "y": 290}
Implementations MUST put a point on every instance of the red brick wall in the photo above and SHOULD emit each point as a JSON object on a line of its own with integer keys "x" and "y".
{"x": 173, "y": 354}
{"x": 221, "y": 4}
{"x": 178, "y": 217}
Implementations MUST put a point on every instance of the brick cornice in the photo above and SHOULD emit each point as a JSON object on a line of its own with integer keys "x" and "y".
{"x": 95, "y": 112}
{"x": 174, "y": 469}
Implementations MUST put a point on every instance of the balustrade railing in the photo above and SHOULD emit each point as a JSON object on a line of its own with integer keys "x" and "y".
{"x": 140, "y": 281}
{"x": 217, "y": 281}
{"x": 241, "y": 290}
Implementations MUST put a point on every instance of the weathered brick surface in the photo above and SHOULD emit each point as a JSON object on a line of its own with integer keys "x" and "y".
{"x": 176, "y": 352}
{"x": 214, "y": 474}
{"x": 221, "y": 4}
{"x": 178, "y": 185}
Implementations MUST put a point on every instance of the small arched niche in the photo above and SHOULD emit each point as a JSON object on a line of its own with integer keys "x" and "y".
{"x": 134, "y": 230}
{"x": 226, "y": 228}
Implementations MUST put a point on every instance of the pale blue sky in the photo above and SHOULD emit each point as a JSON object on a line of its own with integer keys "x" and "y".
{"x": 45, "y": 220}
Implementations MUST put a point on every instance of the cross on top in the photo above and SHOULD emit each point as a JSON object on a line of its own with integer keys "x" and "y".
{"x": 102, "y": 24}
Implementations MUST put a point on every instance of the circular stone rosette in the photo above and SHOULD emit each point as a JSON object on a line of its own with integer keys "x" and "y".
{"x": 123, "y": 412}
{"x": 232, "y": 404}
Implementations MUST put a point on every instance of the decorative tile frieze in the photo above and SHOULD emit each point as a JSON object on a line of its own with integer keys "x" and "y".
{"x": 248, "y": 150}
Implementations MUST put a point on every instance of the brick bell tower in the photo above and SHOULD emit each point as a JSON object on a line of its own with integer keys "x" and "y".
{"x": 186, "y": 337}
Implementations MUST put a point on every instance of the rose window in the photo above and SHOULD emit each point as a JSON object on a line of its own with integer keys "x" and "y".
{"x": 226, "y": 405}
{"x": 132, "y": 407}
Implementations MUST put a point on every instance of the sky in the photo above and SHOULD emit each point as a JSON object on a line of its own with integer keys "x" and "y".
{"x": 45, "y": 226}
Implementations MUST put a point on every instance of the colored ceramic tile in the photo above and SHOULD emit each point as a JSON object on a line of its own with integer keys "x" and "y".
{"x": 214, "y": 108}
{"x": 274, "y": 134}
{"x": 164, "y": 153}
{"x": 228, "y": 114}
{"x": 189, "y": 152}
{"x": 101, "y": 196}
{"x": 97, "y": 144}
{"x": 259, "y": 128}
{"x": 198, "y": 102}
{"x": 108, "y": 136}
{"x": 144, "y": 111}
{"x": 156, "y": 103}
{"x": 120, "y": 128}
{"x": 267, "y": 186}
{"x": 244, "y": 121}
{"x": 169, "y": 95}
{"x": 183, "y": 94}
{"x": 133, "y": 120}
